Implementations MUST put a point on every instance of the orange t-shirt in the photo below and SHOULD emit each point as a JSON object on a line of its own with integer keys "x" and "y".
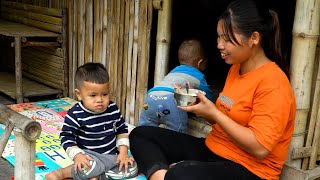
{"x": 263, "y": 101}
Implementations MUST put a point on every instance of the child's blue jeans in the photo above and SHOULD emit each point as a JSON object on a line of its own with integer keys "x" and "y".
{"x": 162, "y": 109}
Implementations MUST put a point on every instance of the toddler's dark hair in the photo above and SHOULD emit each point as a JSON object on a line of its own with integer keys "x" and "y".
{"x": 91, "y": 72}
{"x": 190, "y": 50}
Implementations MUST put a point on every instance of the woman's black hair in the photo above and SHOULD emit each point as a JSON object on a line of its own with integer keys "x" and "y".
{"x": 246, "y": 17}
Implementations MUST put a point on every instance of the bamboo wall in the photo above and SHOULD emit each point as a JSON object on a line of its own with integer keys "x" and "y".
{"x": 117, "y": 34}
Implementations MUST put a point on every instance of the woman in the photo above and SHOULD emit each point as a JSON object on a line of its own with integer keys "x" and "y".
{"x": 252, "y": 120}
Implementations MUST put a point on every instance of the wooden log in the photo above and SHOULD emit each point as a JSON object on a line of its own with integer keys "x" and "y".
{"x": 24, "y": 157}
{"x": 305, "y": 36}
{"x": 163, "y": 41}
{"x": 31, "y": 8}
{"x": 30, "y": 129}
{"x": 31, "y": 15}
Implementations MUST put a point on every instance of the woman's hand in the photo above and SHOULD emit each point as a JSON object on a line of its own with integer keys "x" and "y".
{"x": 203, "y": 108}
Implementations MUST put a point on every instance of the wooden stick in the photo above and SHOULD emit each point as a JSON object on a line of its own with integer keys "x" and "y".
{"x": 39, "y": 43}
{"x": 5, "y": 136}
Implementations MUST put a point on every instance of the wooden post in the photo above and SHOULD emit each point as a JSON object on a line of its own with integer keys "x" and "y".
{"x": 305, "y": 36}
{"x": 24, "y": 157}
{"x": 163, "y": 41}
{"x": 26, "y": 132}
{"x": 18, "y": 69}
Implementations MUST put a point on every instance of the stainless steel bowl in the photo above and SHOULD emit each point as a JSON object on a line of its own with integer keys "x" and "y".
{"x": 185, "y": 99}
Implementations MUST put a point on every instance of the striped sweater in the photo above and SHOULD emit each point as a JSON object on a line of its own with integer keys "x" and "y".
{"x": 93, "y": 131}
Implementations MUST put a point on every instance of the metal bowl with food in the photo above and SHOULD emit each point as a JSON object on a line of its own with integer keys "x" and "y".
{"x": 185, "y": 97}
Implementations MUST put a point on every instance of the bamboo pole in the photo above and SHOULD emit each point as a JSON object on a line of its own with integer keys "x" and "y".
{"x": 70, "y": 48}
{"x": 109, "y": 35}
{"x": 313, "y": 114}
{"x": 81, "y": 31}
{"x": 163, "y": 41}
{"x": 125, "y": 56}
{"x": 89, "y": 32}
{"x": 97, "y": 31}
{"x": 305, "y": 35}
{"x": 130, "y": 59}
{"x": 120, "y": 53}
{"x": 143, "y": 68}
{"x": 104, "y": 12}
{"x": 112, "y": 66}
{"x": 117, "y": 61}
{"x": 134, "y": 62}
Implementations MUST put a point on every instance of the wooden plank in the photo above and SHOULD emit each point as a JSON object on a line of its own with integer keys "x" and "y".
{"x": 31, "y": 8}
{"x": 31, "y": 15}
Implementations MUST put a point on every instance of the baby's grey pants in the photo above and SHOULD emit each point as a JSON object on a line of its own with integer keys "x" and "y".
{"x": 101, "y": 164}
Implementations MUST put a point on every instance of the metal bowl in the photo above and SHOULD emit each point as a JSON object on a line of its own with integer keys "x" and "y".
{"x": 185, "y": 99}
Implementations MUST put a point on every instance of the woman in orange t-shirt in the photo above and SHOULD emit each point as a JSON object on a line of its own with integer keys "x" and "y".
{"x": 252, "y": 120}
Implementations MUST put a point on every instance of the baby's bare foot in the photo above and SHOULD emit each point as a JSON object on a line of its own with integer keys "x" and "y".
{"x": 54, "y": 175}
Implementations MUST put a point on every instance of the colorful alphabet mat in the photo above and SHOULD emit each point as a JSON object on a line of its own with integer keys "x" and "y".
{"x": 49, "y": 154}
